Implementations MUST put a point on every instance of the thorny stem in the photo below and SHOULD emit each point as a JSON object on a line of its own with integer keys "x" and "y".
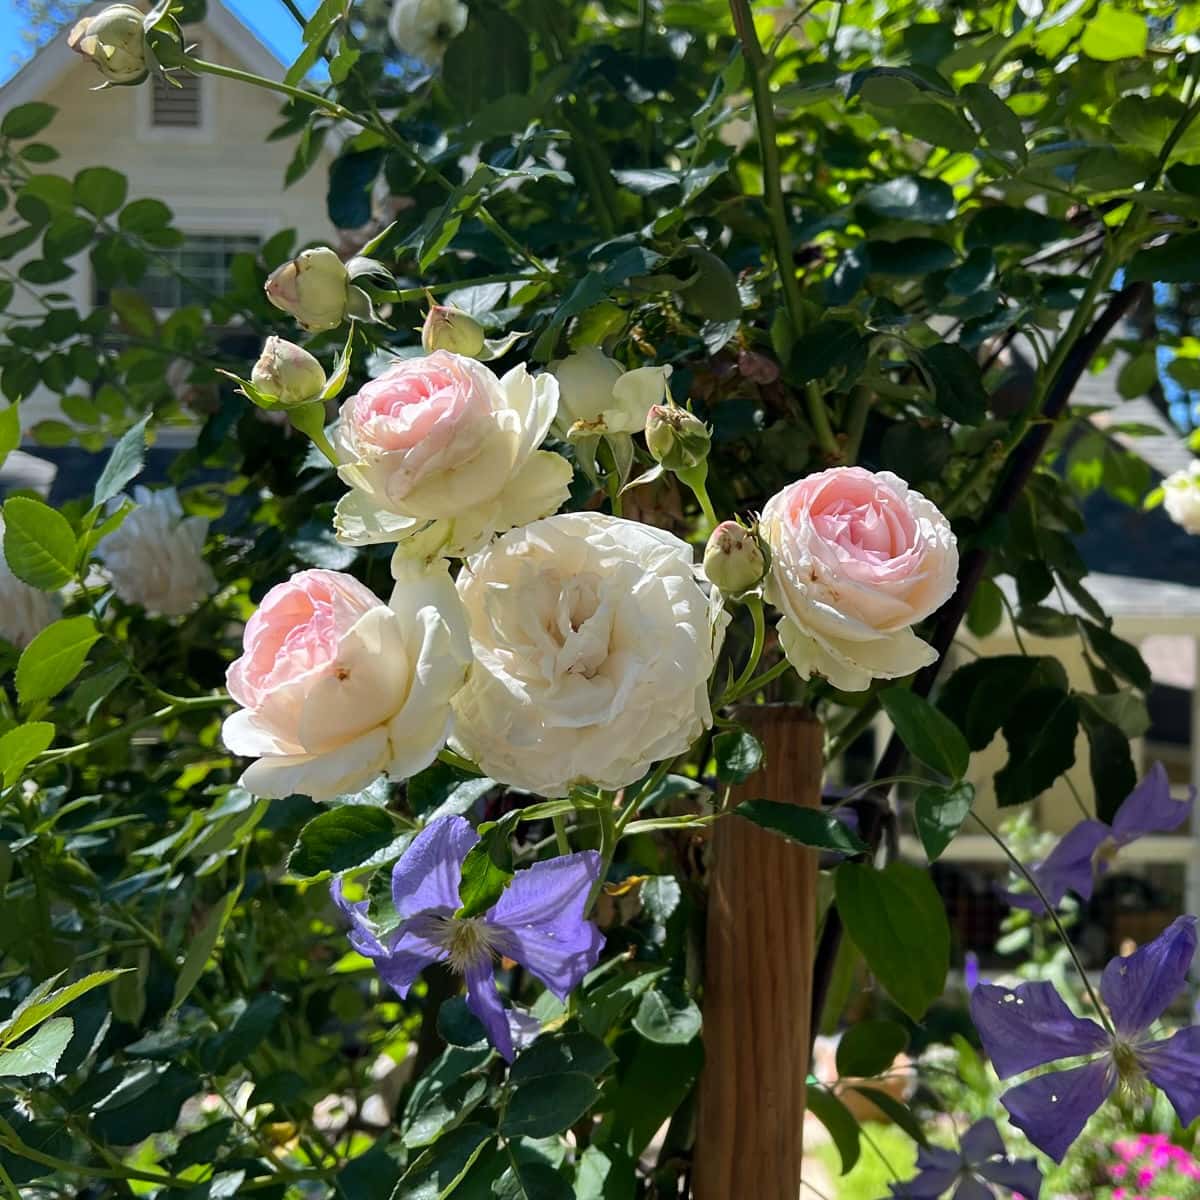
{"x": 1028, "y": 876}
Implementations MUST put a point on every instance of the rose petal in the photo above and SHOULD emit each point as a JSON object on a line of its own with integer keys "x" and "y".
{"x": 339, "y": 772}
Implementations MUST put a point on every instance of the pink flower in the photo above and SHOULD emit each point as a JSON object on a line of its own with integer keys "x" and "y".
{"x": 858, "y": 558}
{"x": 337, "y": 687}
{"x": 442, "y": 439}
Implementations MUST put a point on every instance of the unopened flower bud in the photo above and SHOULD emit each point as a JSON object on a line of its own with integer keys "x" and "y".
{"x": 287, "y": 373}
{"x": 448, "y": 328}
{"x": 757, "y": 368}
{"x": 314, "y": 287}
{"x": 676, "y": 438}
{"x": 734, "y": 560}
{"x": 115, "y": 40}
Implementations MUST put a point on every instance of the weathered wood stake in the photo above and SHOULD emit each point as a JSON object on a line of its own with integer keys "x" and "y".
{"x": 758, "y": 977}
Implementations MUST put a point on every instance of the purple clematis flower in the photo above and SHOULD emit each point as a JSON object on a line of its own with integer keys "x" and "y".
{"x": 1088, "y": 849}
{"x": 538, "y": 922}
{"x": 972, "y": 1171}
{"x": 1029, "y": 1026}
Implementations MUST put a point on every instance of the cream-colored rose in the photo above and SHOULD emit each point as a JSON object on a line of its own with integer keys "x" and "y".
{"x": 156, "y": 557}
{"x": 24, "y": 611}
{"x": 598, "y": 396}
{"x": 424, "y": 28}
{"x": 441, "y": 440}
{"x": 115, "y": 40}
{"x": 856, "y": 559}
{"x": 337, "y": 687}
{"x": 593, "y": 648}
{"x": 1181, "y": 497}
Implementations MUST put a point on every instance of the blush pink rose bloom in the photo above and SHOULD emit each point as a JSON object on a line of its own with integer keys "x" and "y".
{"x": 857, "y": 558}
{"x": 442, "y": 440}
{"x": 337, "y": 687}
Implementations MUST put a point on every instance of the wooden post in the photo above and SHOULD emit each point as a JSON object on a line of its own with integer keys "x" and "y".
{"x": 758, "y": 977}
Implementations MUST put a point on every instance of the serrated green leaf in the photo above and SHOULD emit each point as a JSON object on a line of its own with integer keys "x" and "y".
{"x": 341, "y": 839}
{"x": 201, "y": 948}
{"x": 20, "y": 746}
{"x": 39, "y": 1054}
{"x": 54, "y": 658}
{"x": 123, "y": 464}
{"x": 39, "y": 544}
{"x": 738, "y": 754}
{"x": 46, "y": 1000}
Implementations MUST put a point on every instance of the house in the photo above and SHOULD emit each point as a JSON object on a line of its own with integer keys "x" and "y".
{"x": 201, "y": 148}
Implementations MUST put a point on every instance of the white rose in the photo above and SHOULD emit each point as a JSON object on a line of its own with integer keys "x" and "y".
{"x": 424, "y": 28}
{"x": 24, "y": 611}
{"x": 593, "y": 649}
{"x": 155, "y": 559}
{"x": 598, "y": 396}
{"x": 856, "y": 559}
{"x": 337, "y": 687}
{"x": 1181, "y": 497}
{"x": 441, "y": 439}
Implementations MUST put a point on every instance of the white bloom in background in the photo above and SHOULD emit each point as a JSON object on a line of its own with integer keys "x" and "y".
{"x": 442, "y": 440}
{"x": 337, "y": 687}
{"x": 598, "y": 396}
{"x": 1181, "y": 497}
{"x": 24, "y": 611}
{"x": 857, "y": 558}
{"x": 593, "y": 647}
{"x": 155, "y": 559}
{"x": 424, "y": 28}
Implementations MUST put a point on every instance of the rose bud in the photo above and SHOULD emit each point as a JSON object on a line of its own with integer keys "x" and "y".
{"x": 115, "y": 40}
{"x": 314, "y": 287}
{"x": 448, "y": 328}
{"x": 757, "y": 368}
{"x": 288, "y": 374}
{"x": 676, "y": 438}
{"x": 734, "y": 560}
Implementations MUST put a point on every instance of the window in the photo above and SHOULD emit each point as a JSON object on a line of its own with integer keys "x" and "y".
{"x": 176, "y": 107}
{"x": 195, "y": 270}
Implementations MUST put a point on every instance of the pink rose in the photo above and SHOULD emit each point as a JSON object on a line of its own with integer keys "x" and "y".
{"x": 442, "y": 439}
{"x": 857, "y": 558}
{"x": 337, "y": 687}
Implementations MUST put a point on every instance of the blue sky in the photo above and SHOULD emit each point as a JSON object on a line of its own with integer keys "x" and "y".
{"x": 268, "y": 18}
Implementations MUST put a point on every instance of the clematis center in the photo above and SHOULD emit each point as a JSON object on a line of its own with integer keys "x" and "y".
{"x": 467, "y": 940}
{"x": 1130, "y": 1074}
{"x": 1105, "y": 855}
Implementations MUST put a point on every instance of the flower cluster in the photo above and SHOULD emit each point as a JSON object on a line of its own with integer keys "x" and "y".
{"x": 1146, "y": 1164}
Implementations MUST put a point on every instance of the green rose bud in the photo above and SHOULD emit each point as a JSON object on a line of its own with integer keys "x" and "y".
{"x": 314, "y": 287}
{"x": 288, "y": 374}
{"x": 115, "y": 40}
{"x": 734, "y": 559}
{"x": 676, "y": 438}
{"x": 452, "y": 329}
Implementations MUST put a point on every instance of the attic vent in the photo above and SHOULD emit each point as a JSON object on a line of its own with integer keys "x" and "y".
{"x": 176, "y": 107}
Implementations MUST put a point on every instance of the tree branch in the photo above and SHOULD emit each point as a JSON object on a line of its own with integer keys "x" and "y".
{"x": 1021, "y": 465}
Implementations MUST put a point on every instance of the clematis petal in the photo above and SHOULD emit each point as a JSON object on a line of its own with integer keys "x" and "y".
{"x": 1150, "y": 809}
{"x": 1069, "y": 867}
{"x": 1021, "y": 1176}
{"x": 928, "y": 1185}
{"x": 539, "y": 920}
{"x": 430, "y": 870}
{"x": 398, "y": 963}
{"x": 971, "y": 1189}
{"x": 981, "y": 1142}
{"x": 1137, "y": 989}
{"x": 1030, "y": 1025}
{"x": 1052, "y": 1109}
{"x": 407, "y": 956}
{"x": 1174, "y": 1066}
{"x": 484, "y": 1001}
